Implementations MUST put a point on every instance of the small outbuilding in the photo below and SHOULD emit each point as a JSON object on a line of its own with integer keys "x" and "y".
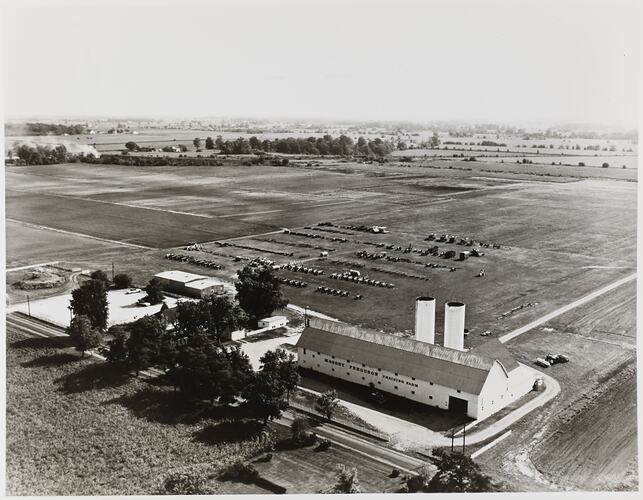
{"x": 273, "y": 322}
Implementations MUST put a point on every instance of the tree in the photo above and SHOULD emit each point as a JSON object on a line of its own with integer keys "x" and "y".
{"x": 132, "y": 146}
{"x": 434, "y": 141}
{"x": 215, "y": 315}
{"x": 265, "y": 396}
{"x": 457, "y": 473}
{"x": 347, "y": 481}
{"x": 154, "y": 290}
{"x": 99, "y": 275}
{"x": 299, "y": 429}
{"x": 91, "y": 300}
{"x": 283, "y": 367}
{"x": 327, "y": 403}
{"x": 116, "y": 352}
{"x": 209, "y": 143}
{"x": 258, "y": 292}
{"x": 122, "y": 281}
{"x": 83, "y": 335}
{"x": 197, "y": 142}
{"x": 143, "y": 344}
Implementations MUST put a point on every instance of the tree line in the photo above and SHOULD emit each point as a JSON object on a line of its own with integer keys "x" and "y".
{"x": 323, "y": 146}
{"x": 32, "y": 128}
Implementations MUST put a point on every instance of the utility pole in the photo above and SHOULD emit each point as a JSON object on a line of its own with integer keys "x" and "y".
{"x": 452, "y": 438}
{"x": 464, "y": 436}
{"x": 28, "y": 306}
{"x": 112, "y": 272}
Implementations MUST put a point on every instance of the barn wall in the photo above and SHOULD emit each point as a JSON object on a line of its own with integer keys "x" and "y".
{"x": 422, "y": 391}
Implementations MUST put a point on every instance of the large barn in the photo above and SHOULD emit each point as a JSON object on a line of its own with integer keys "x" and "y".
{"x": 478, "y": 382}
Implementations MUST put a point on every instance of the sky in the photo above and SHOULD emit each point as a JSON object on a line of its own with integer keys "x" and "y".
{"x": 512, "y": 61}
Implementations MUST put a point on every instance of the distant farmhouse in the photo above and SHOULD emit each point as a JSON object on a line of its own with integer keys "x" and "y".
{"x": 478, "y": 383}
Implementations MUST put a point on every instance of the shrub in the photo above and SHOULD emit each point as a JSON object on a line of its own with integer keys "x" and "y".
{"x": 184, "y": 483}
{"x": 605, "y": 165}
{"x": 241, "y": 471}
{"x": 122, "y": 281}
{"x": 99, "y": 275}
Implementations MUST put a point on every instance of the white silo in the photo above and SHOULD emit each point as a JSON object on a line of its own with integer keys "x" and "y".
{"x": 454, "y": 325}
{"x": 425, "y": 319}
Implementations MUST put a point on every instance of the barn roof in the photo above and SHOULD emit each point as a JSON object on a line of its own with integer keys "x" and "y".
{"x": 179, "y": 276}
{"x": 203, "y": 283}
{"x": 443, "y": 366}
{"x": 495, "y": 349}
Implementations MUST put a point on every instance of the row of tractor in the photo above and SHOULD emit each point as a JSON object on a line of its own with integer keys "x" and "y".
{"x": 332, "y": 291}
{"x": 189, "y": 259}
{"x": 298, "y": 268}
{"x": 293, "y": 283}
{"x": 361, "y": 280}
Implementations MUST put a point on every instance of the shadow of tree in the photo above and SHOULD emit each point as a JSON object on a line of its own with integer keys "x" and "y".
{"x": 163, "y": 405}
{"x": 52, "y": 360}
{"x": 229, "y": 431}
{"x": 38, "y": 343}
{"x": 93, "y": 376}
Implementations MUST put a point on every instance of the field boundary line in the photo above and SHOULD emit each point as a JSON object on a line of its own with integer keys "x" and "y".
{"x": 561, "y": 310}
{"x": 83, "y": 235}
{"x": 22, "y": 268}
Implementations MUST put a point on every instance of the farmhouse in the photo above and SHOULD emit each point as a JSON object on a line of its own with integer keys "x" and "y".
{"x": 192, "y": 285}
{"x": 478, "y": 382}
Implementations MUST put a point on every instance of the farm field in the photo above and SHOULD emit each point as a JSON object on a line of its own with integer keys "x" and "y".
{"x": 28, "y": 245}
{"x": 583, "y": 438}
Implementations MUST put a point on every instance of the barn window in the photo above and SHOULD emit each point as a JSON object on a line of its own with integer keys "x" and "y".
{"x": 412, "y": 392}
{"x": 395, "y": 387}
{"x": 363, "y": 378}
{"x": 347, "y": 373}
{"x": 304, "y": 351}
{"x": 333, "y": 369}
{"x": 430, "y": 397}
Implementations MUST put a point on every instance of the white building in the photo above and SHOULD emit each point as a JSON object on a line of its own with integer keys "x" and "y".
{"x": 190, "y": 284}
{"x": 273, "y": 322}
{"x": 478, "y": 382}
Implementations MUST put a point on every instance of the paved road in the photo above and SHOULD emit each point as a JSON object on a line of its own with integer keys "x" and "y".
{"x": 31, "y": 327}
{"x": 566, "y": 308}
{"x": 363, "y": 446}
